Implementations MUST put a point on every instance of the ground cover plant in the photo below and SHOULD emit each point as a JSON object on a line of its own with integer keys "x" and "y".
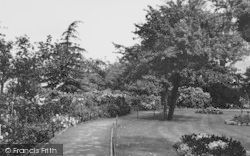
{"x": 240, "y": 120}
{"x": 208, "y": 145}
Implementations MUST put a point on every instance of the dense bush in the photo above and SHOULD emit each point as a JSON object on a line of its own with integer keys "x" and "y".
{"x": 115, "y": 103}
{"x": 60, "y": 122}
{"x": 96, "y": 104}
{"x": 193, "y": 97}
{"x": 150, "y": 102}
{"x": 208, "y": 145}
{"x": 209, "y": 110}
{"x": 15, "y": 133}
{"x": 241, "y": 120}
{"x": 37, "y": 120}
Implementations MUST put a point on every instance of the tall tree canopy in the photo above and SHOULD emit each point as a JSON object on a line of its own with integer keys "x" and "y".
{"x": 185, "y": 36}
{"x": 63, "y": 61}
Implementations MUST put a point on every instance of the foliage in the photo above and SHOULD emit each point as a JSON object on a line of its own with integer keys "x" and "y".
{"x": 62, "y": 62}
{"x": 48, "y": 78}
{"x": 86, "y": 107}
{"x": 193, "y": 97}
{"x": 149, "y": 102}
{"x": 184, "y": 35}
{"x": 205, "y": 144}
{"x": 243, "y": 18}
{"x": 116, "y": 103}
{"x": 147, "y": 85}
{"x": 95, "y": 75}
{"x": 60, "y": 122}
{"x": 241, "y": 120}
{"x": 26, "y": 79}
{"x": 5, "y": 62}
{"x": 223, "y": 84}
{"x": 15, "y": 132}
{"x": 209, "y": 110}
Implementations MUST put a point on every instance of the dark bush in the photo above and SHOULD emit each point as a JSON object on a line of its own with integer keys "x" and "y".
{"x": 117, "y": 106}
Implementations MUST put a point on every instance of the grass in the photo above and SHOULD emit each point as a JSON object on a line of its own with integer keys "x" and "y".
{"x": 150, "y": 136}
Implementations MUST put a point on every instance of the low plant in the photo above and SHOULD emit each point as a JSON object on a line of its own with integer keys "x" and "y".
{"x": 62, "y": 121}
{"x": 193, "y": 97}
{"x": 209, "y": 110}
{"x": 240, "y": 120}
{"x": 208, "y": 145}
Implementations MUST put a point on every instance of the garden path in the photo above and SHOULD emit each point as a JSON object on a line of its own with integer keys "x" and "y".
{"x": 87, "y": 139}
{"x": 146, "y": 136}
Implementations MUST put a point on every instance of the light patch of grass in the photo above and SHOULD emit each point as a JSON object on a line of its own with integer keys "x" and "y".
{"x": 149, "y": 135}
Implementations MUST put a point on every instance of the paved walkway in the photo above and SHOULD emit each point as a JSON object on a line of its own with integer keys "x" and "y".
{"x": 87, "y": 139}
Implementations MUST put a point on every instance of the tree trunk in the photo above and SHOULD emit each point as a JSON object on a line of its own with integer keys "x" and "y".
{"x": 164, "y": 103}
{"x": 2, "y": 85}
{"x": 173, "y": 97}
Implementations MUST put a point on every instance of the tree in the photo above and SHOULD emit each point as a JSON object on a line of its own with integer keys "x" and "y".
{"x": 63, "y": 61}
{"x": 115, "y": 76}
{"x": 26, "y": 81}
{"x": 246, "y": 83}
{"x": 95, "y": 74}
{"x": 5, "y": 62}
{"x": 185, "y": 36}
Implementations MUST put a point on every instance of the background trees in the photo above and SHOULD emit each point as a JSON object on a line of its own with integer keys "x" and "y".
{"x": 185, "y": 37}
{"x": 63, "y": 61}
{"x": 5, "y": 61}
{"x": 191, "y": 43}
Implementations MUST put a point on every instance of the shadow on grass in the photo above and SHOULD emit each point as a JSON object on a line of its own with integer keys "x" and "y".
{"x": 144, "y": 146}
{"x": 177, "y": 118}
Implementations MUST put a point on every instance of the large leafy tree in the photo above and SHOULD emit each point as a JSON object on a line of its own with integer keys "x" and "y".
{"x": 25, "y": 80}
{"x": 63, "y": 61}
{"x": 185, "y": 36}
{"x": 95, "y": 75}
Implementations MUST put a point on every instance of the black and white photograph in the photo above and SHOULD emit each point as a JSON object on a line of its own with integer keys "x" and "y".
{"x": 124, "y": 77}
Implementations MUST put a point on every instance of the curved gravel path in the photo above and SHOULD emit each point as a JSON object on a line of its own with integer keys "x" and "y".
{"x": 87, "y": 139}
{"x": 146, "y": 136}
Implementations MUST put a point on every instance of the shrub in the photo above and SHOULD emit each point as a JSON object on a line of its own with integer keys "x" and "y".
{"x": 60, "y": 122}
{"x": 209, "y": 110}
{"x": 241, "y": 120}
{"x": 28, "y": 134}
{"x": 193, "y": 97}
{"x": 209, "y": 145}
{"x": 95, "y": 104}
{"x": 113, "y": 110}
{"x": 116, "y": 103}
{"x": 150, "y": 102}
{"x": 117, "y": 106}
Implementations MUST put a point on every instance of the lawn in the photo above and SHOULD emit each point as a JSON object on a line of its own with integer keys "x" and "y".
{"x": 149, "y": 136}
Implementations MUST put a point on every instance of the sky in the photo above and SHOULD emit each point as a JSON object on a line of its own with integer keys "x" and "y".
{"x": 104, "y": 21}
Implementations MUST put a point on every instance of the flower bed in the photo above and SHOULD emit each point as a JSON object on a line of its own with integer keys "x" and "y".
{"x": 208, "y": 145}
{"x": 32, "y": 133}
{"x": 61, "y": 122}
{"x": 240, "y": 120}
{"x": 209, "y": 110}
